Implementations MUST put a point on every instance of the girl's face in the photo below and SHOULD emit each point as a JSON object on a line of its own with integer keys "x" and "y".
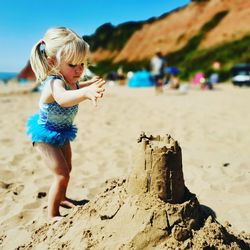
{"x": 71, "y": 72}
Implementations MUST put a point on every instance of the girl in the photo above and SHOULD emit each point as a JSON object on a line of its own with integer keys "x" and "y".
{"x": 58, "y": 62}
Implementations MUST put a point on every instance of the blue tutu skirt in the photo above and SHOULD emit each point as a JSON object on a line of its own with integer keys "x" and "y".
{"x": 41, "y": 133}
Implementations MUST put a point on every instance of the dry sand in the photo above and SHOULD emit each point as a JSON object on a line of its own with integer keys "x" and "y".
{"x": 212, "y": 128}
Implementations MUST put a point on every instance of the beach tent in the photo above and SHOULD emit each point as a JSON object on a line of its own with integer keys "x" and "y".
{"x": 141, "y": 79}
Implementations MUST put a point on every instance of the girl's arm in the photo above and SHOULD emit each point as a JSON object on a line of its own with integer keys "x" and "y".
{"x": 68, "y": 98}
{"x": 84, "y": 84}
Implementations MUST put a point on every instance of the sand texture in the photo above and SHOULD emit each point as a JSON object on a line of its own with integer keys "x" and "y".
{"x": 212, "y": 128}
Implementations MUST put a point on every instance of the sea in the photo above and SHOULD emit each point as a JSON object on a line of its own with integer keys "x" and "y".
{"x": 5, "y": 76}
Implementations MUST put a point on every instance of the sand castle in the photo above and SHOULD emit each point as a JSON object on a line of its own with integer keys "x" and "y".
{"x": 152, "y": 209}
{"x": 158, "y": 169}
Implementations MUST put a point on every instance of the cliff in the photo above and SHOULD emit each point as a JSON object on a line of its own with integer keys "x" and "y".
{"x": 174, "y": 30}
{"x": 191, "y": 38}
{"x": 27, "y": 73}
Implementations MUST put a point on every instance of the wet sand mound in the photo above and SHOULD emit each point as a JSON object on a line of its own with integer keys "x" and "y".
{"x": 150, "y": 209}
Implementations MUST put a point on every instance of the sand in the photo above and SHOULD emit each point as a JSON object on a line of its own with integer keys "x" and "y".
{"x": 212, "y": 128}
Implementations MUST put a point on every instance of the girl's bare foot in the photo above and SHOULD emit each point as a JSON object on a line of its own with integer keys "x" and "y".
{"x": 68, "y": 203}
{"x": 55, "y": 219}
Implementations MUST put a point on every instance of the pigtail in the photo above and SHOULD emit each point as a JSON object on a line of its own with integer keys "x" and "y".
{"x": 38, "y": 61}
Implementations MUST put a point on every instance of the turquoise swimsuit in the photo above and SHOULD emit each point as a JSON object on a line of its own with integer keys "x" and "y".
{"x": 54, "y": 123}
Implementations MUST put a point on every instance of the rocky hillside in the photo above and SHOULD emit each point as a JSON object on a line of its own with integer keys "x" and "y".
{"x": 191, "y": 38}
{"x": 174, "y": 30}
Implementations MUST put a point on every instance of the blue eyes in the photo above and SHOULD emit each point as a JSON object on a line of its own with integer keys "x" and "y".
{"x": 75, "y": 65}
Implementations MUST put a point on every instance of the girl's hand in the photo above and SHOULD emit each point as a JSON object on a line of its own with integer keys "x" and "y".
{"x": 89, "y": 82}
{"x": 95, "y": 89}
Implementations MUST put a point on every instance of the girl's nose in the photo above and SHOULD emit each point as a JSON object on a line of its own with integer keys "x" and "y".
{"x": 79, "y": 68}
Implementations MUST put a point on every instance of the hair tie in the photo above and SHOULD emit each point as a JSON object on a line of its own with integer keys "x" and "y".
{"x": 42, "y": 47}
{"x": 41, "y": 42}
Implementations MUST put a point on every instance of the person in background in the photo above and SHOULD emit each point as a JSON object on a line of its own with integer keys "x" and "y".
{"x": 157, "y": 64}
{"x": 174, "y": 81}
{"x": 58, "y": 62}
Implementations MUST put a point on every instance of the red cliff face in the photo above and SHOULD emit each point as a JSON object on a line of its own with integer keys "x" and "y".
{"x": 175, "y": 30}
{"x": 27, "y": 73}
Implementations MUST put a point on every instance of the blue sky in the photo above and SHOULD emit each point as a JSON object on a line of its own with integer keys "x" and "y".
{"x": 24, "y": 22}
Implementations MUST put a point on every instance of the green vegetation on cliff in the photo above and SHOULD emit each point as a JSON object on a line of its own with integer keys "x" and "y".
{"x": 228, "y": 54}
{"x": 110, "y": 37}
{"x": 190, "y": 59}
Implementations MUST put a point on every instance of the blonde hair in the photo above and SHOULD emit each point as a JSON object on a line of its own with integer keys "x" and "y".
{"x": 59, "y": 44}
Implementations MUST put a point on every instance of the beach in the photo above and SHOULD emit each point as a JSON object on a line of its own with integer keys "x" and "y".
{"x": 212, "y": 128}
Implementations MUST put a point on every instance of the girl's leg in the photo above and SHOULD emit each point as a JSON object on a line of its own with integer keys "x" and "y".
{"x": 66, "y": 150}
{"x": 67, "y": 153}
{"x": 55, "y": 158}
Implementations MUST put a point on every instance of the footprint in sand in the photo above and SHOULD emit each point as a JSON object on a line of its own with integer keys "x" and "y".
{"x": 17, "y": 159}
{"x": 4, "y": 185}
{"x": 16, "y": 189}
{"x": 21, "y": 218}
{"x": 5, "y": 210}
{"x": 32, "y": 205}
{"x": 6, "y": 142}
{"x": 8, "y": 174}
